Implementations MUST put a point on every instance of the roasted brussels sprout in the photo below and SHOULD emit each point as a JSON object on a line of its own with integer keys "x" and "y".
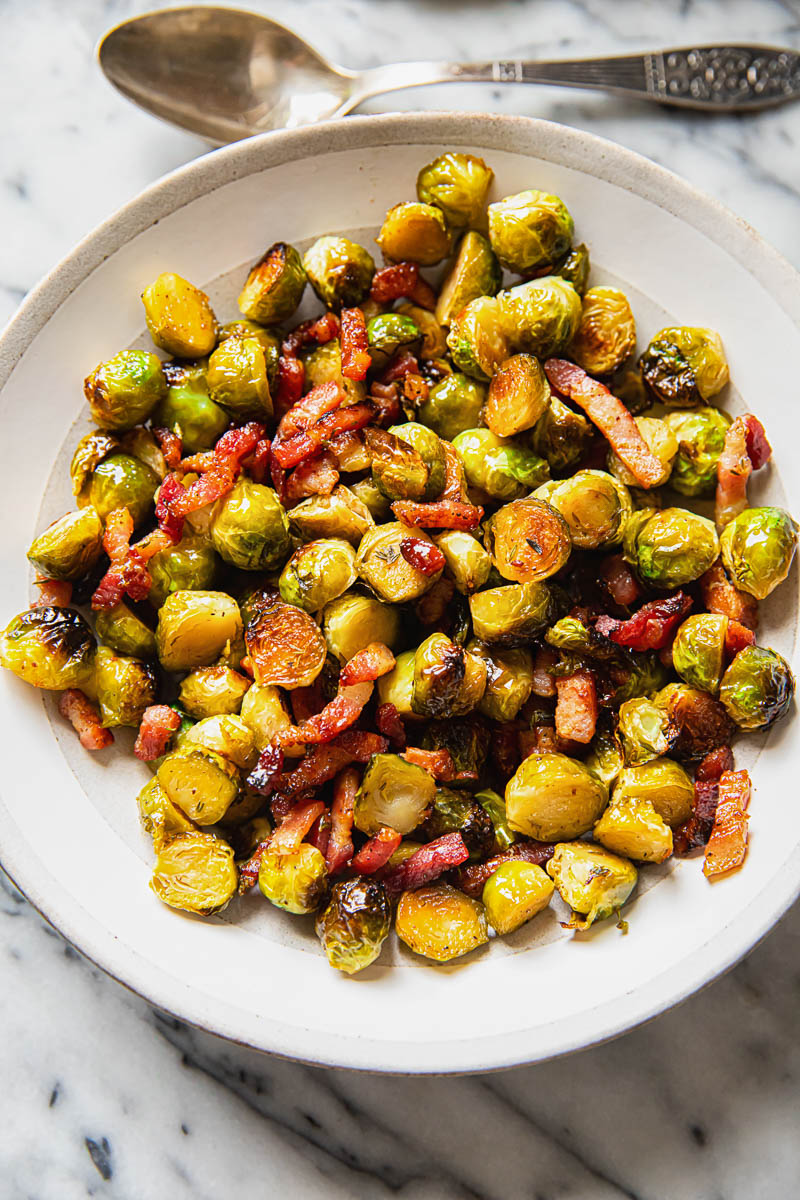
{"x": 671, "y": 546}
{"x": 634, "y": 829}
{"x": 293, "y": 879}
{"x": 429, "y": 448}
{"x": 440, "y": 922}
{"x": 595, "y": 507}
{"x": 757, "y": 688}
{"x": 414, "y": 232}
{"x": 457, "y": 812}
{"x": 121, "y": 481}
{"x": 512, "y": 615}
{"x": 551, "y": 798}
{"x": 125, "y": 390}
{"x": 660, "y": 439}
{"x": 593, "y": 882}
{"x": 224, "y": 734}
{"x": 195, "y": 872}
{"x": 382, "y": 566}
{"x": 503, "y": 469}
{"x": 448, "y": 681}
{"x": 269, "y": 341}
{"x": 125, "y": 687}
{"x": 700, "y": 434}
{"x": 528, "y": 540}
{"x": 324, "y": 365}
{"x": 495, "y": 806}
{"x": 662, "y": 783}
{"x": 264, "y": 712}
{"x": 575, "y": 267}
{"x": 51, "y": 648}
{"x": 541, "y": 316}
{"x": 466, "y": 559}
{"x": 69, "y": 547}
{"x": 467, "y": 743}
{"x": 159, "y": 816}
{"x": 606, "y": 334}
{"x": 529, "y": 230}
{"x": 191, "y": 566}
{"x": 398, "y": 470}
{"x": 515, "y": 892}
{"x": 605, "y": 760}
{"x": 475, "y": 272}
{"x": 561, "y": 436}
{"x": 697, "y": 723}
{"x": 453, "y": 405}
{"x": 274, "y": 287}
{"x": 285, "y": 644}
{"x": 352, "y": 621}
{"x": 645, "y": 730}
{"x": 90, "y": 451}
{"x": 458, "y": 184}
{"x": 509, "y": 680}
{"x": 188, "y": 409}
{"x": 317, "y": 573}
{"x": 339, "y": 515}
{"x": 372, "y": 498}
{"x": 213, "y": 691}
{"x": 200, "y": 782}
{"x": 434, "y": 337}
{"x": 121, "y": 629}
{"x": 250, "y": 529}
{"x": 179, "y": 317}
{"x": 393, "y": 792}
{"x": 237, "y": 379}
{"x": 757, "y": 549}
{"x": 355, "y": 924}
{"x": 518, "y": 396}
{"x": 195, "y": 627}
{"x": 478, "y": 340}
{"x": 698, "y": 651}
{"x": 390, "y": 332}
{"x": 684, "y": 366}
{"x": 339, "y": 271}
{"x": 397, "y": 688}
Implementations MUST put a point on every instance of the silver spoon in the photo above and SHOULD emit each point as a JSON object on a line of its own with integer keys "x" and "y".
{"x": 226, "y": 74}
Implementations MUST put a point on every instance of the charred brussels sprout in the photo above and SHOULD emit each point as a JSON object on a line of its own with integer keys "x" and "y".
{"x": 284, "y": 644}
{"x": 352, "y": 621}
{"x": 512, "y": 615}
{"x": 224, "y": 734}
{"x": 645, "y": 729}
{"x": 757, "y": 549}
{"x": 196, "y": 873}
{"x": 51, "y": 648}
{"x": 382, "y": 566}
{"x": 466, "y": 560}
{"x": 393, "y": 793}
{"x": 529, "y": 230}
{"x": 593, "y": 882}
{"x": 398, "y": 470}
{"x": 122, "y": 630}
{"x": 124, "y": 391}
{"x": 595, "y": 507}
{"x": 250, "y": 529}
{"x": 634, "y": 829}
{"x": 188, "y": 409}
{"x": 696, "y": 722}
{"x": 541, "y": 316}
{"x": 440, "y": 922}
{"x": 69, "y": 547}
{"x": 121, "y": 481}
{"x": 503, "y": 469}
{"x": 125, "y": 687}
{"x": 467, "y": 743}
{"x": 528, "y": 540}
{"x": 684, "y": 366}
{"x": 264, "y": 712}
{"x": 194, "y": 629}
{"x": 662, "y": 783}
{"x": 159, "y": 816}
{"x": 457, "y": 812}
{"x": 179, "y": 317}
{"x": 189, "y": 566}
{"x": 274, "y": 287}
{"x": 339, "y": 515}
{"x": 414, "y": 232}
{"x": 700, "y": 434}
{"x": 519, "y": 394}
{"x": 495, "y": 806}
{"x": 605, "y": 759}
{"x": 458, "y": 184}
{"x": 475, "y": 272}
{"x": 509, "y": 680}
{"x": 575, "y": 267}
{"x": 213, "y": 691}
{"x": 606, "y": 334}
{"x": 453, "y": 405}
{"x": 237, "y": 379}
{"x": 355, "y": 924}
{"x": 698, "y": 651}
{"x": 434, "y": 338}
{"x": 660, "y": 439}
{"x": 561, "y": 436}
{"x": 478, "y": 340}
{"x": 553, "y": 798}
{"x": 200, "y": 782}
{"x": 390, "y": 332}
{"x": 515, "y": 893}
{"x": 90, "y": 451}
{"x": 671, "y": 546}
{"x": 339, "y": 271}
{"x": 448, "y": 681}
{"x": 317, "y": 573}
{"x": 757, "y": 688}
{"x": 397, "y": 688}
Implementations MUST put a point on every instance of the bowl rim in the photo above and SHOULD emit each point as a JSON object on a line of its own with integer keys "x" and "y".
{"x": 565, "y": 146}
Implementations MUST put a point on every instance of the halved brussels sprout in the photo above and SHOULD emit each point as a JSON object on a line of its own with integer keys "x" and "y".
{"x": 51, "y": 648}
{"x": 69, "y": 547}
{"x": 317, "y": 573}
{"x": 634, "y": 829}
{"x": 390, "y": 332}
{"x": 355, "y": 924}
{"x": 226, "y": 735}
{"x": 191, "y": 565}
{"x": 457, "y": 812}
{"x": 551, "y": 798}
{"x": 125, "y": 687}
{"x": 124, "y": 390}
{"x": 575, "y": 267}
{"x": 593, "y": 882}
{"x": 561, "y": 436}
{"x": 698, "y": 651}
{"x": 200, "y": 782}
{"x": 467, "y": 743}
{"x": 179, "y": 317}
{"x": 121, "y": 629}
{"x": 495, "y": 806}
{"x": 605, "y": 760}
{"x": 475, "y": 272}
{"x": 453, "y": 405}
{"x": 671, "y": 546}
{"x": 440, "y": 922}
{"x": 383, "y": 567}
{"x": 264, "y": 712}
{"x": 269, "y": 341}
{"x": 515, "y": 893}
{"x": 250, "y": 529}
{"x": 757, "y": 688}
{"x": 121, "y": 481}
{"x": 660, "y": 439}
{"x": 352, "y": 621}
{"x": 512, "y": 615}
{"x": 237, "y": 379}
{"x": 414, "y": 232}
{"x": 466, "y": 559}
{"x": 683, "y": 366}
{"x": 194, "y": 628}
{"x": 140, "y": 443}
{"x": 700, "y": 434}
{"x": 595, "y": 507}
{"x": 757, "y": 549}
{"x": 528, "y": 540}
{"x": 541, "y": 316}
{"x": 397, "y": 688}
{"x": 398, "y": 470}
{"x": 213, "y": 691}
{"x": 159, "y": 816}
{"x": 430, "y": 449}
{"x": 661, "y": 782}
{"x": 339, "y": 515}
{"x": 246, "y": 835}
{"x": 458, "y": 184}
{"x": 518, "y": 396}
{"x": 188, "y": 409}
{"x": 503, "y": 469}
{"x": 373, "y": 499}
{"x": 293, "y": 879}
{"x": 339, "y": 271}
{"x": 478, "y": 340}
{"x": 89, "y": 453}
{"x": 448, "y": 681}
{"x": 530, "y": 229}
{"x": 645, "y": 729}
{"x": 606, "y": 334}
{"x": 393, "y": 793}
{"x": 196, "y": 873}
{"x": 324, "y": 365}
{"x": 509, "y": 680}
{"x": 274, "y": 287}
{"x": 697, "y": 723}
{"x": 434, "y": 337}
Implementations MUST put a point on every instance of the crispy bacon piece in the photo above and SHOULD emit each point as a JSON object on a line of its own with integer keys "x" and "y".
{"x": 401, "y": 367}
{"x": 219, "y": 470}
{"x": 128, "y": 572}
{"x": 623, "y": 586}
{"x": 438, "y": 763}
{"x": 258, "y": 463}
{"x": 320, "y": 330}
{"x": 746, "y": 449}
{"x": 55, "y": 592}
{"x": 321, "y": 400}
{"x": 85, "y": 719}
{"x": 389, "y": 724}
{"x": 727, "y": 845}
{"x": 169, "y": 495}
{"x": 415, "y": 389}
{"x": 356, "y": 360}
{"x": 440, "y": 514}
{"x": 504, "y": 748}
{"x": 610, "y": 416}
{"x": 695, "y": 831}
{"x": 339, "y": 850}
{"x": 544, "y": 661}
{"x": 720, "y": 596}
{"x": 426, "y": 864}
{"x": 576, "y": 707}
{"x": 471, "y": 879}
{"x": 309, "y": 442}
{"x": 320, "y": 833}
{"x": 158, "y": 724}
{"x": 269, "y": 765}
{"x": 291, "y": 380}
{"x": 737, "y": 636}
{"x": 313, "y": 477}
{"x": 402, "y": 279}
{"x": 375, "y": 853}
{"x": 324, "y": 762}
{"x": 171, "y": 445}
{"x": 385, "y": 397}
{"x": 367, "y": 665}
{"x": 248, "y": 871}
{"x": 454, "y": 478}
{"x": 652, "y": 627}
{"x": 338, "y": 715}
{"x": 423, "y": 556}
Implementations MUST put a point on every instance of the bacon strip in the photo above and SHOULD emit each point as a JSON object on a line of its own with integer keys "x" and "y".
{"x": 321, "y": 400}
{"x": 286, "y": 838}
{"x": 127, "y": 572}
{"x": 219, "y": 470}
{"x": 320, "y": 833}
{"x": 610, "y": 416}
{"x": 356, "y": 359}
{"x": 307, "y": 443}
{"x": 576, "y": 707}
{"x": 291, "y": 380}
{"x": 623, "y": 586}
{"x": 423, "y": 556}
{"x": 259, "y": 462}
{"x": 651, "y": 628}
{"x": 367, "y": 665}
{"x": 727, "y": 845}
{"x": 337, "y": 716}
{"x": 325, "y": 762}
{"x": 471, "y": 879}
{"x": 85, "y": 720}
{"x": 696, "y": 829}
{"x": 402, "y": 279}
{"x": 441, "y": 514}
{"x": 746, "y": 449}
{"x": 159, "y": 722}
{"x": 426, "y": 864}
{"x": 375, "y": 853}
{"x": 387, "y": 719}
{"x": 403, "y": 365}
{"x": 438, "y": 763}
{"x": 313, "y": 477}
{"x": 317, "y": 331}
{"x": 720, "y": 596}
{"x": 737, "y": 636}
{"x": 54, "y": 592}
{"x": 171, "y": 445}
{"x": 339, "y": 850}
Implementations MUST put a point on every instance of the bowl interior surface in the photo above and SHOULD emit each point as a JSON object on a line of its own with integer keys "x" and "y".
{"x": 69, "y": 832}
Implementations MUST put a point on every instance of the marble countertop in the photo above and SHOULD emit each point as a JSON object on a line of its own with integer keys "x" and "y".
{"x": 103, "y": 1096}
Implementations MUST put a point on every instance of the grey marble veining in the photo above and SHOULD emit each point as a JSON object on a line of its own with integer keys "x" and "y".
{"x": 104, "y": 1097}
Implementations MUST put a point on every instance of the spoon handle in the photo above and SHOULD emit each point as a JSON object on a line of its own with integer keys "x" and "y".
{"x": 709, "y": 78}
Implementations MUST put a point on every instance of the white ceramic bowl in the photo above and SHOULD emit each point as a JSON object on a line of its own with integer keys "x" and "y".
{"x": 69, "y": 834}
